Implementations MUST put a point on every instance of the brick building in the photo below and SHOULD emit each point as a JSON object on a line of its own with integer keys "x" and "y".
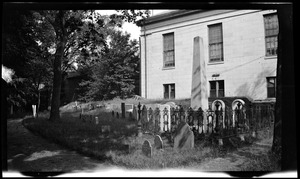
{"x": 240, "y": 53}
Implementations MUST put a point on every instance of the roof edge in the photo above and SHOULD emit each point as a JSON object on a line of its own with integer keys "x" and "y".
{"x": 167, "y": 16}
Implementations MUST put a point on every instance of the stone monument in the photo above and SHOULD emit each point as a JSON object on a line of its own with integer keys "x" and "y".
{"x": 199, "y": 94}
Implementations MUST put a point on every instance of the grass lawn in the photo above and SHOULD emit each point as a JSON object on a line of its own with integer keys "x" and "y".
{"x": 122, "y": 147}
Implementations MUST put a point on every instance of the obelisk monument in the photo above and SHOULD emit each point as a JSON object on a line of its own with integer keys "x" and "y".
{"x": 199, "y": 94}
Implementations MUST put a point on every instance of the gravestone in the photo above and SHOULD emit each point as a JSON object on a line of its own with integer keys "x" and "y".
{"x": 134, "y": 113}
{"x": 123, "y": 110}
{"x": 147, "y": 148}
{"x": 199, "y": 94}
{"x": 158, "y": 143}
{"x": 96, "y": 120}
{"x": 183, "y": 137}
{"x": 144, "y": 118}
{"x": 128, "y": 110}
{"x": 151, "y": 122}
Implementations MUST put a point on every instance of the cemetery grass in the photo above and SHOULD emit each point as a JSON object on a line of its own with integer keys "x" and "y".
{"x": 121, "y": 147}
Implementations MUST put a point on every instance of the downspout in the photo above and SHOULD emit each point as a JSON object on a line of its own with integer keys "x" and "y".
{"x": 145, "y": 62}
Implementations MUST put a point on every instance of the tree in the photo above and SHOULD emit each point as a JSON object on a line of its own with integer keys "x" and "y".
{"x": 284, "y": 143}
{"x": 67, "y": 23}
{"x": 24, "y": 56}
{"x": 117, "y": 72}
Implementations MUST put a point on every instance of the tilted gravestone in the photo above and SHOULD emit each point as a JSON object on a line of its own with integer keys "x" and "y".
{"x": 183, "y": 137}
{"x": 147, "y": 148}
{"x": 158, "y": 143}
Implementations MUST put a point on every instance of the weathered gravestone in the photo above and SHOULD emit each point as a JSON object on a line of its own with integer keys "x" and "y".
{"x": 158, "y": 143}
{"x": 144, "y": 118}
{"x": 199, "y": 95}
{"x": 147, "y": 148}
{"x": 183, "y": 137}
{"x": 128, "y": 110}
{"x": 135, "y": 113}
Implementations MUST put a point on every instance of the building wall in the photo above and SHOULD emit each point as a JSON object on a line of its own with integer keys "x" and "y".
{"x": 244, "y": 69}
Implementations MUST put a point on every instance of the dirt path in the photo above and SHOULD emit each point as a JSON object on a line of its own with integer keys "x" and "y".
{"x": 27, "y": 152}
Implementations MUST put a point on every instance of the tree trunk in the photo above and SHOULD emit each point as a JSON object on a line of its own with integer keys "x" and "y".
{"x": 57, "y": 78}
{"x": 284, "y": 139}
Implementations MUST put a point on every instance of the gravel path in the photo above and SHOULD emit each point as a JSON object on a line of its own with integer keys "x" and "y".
{"x": 27, "y": 152}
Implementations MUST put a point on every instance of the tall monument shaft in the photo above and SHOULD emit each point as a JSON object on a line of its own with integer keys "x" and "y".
{"x": 199, "y": 93}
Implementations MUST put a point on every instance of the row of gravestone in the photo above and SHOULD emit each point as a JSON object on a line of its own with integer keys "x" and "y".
{"x": 91, "y": 119}
{"x": 183, "y": 139}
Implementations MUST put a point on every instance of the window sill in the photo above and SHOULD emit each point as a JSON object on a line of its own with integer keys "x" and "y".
{"x": 271, "y": 57}
{"x": 215, "y": 63}
{"x": 168, "y": 68}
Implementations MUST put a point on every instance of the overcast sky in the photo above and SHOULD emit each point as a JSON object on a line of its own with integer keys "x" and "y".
{"x": 130, "y": 27}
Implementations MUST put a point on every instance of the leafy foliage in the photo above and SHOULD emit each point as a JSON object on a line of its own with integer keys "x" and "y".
{"x": 117, "y": 71}
{"x": 44, "y": 44}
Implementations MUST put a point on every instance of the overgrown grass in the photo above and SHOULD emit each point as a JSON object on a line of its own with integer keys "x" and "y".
{"x": 84, "y": 137}
{"x": 264, "y": 162}
{"x": 162, "y": 158}
{"x": 122, "y": 147}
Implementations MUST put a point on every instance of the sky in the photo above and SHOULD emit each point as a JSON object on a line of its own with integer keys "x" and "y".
{"x": 131, "y": 28}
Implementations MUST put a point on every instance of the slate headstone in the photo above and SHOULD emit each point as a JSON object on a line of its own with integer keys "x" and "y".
{"x": 158, "y": 143}
{"x": 147, "y": 148}
{"x": 183, "y": 137}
